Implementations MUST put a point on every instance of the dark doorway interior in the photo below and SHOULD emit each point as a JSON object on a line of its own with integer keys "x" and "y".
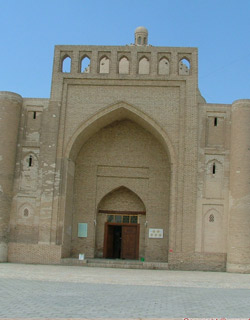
{"x": 117, "y": 242}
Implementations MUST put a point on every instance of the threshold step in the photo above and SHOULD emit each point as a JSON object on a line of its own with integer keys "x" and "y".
{"x": 115, "y": 263}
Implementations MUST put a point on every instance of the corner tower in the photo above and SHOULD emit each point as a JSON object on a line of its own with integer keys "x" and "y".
{"x": 238, "y": 259}
{"x": 10, "y": 107}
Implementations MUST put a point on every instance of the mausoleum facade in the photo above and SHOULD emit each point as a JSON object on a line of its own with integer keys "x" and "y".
{"x": 125, "y": 160}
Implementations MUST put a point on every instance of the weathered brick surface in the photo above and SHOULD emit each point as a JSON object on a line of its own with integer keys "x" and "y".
{"x": 34, "y": 253}
{"x": 197, "y": 261}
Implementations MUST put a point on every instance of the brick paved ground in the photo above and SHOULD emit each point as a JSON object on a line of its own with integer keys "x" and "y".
{"x": 35, "y": 291}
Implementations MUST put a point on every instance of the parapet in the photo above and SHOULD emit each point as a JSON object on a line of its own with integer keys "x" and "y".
{"x": 127, "y": 61}
{"x": 241, "y": 103}
{"x": 7, "y": 95}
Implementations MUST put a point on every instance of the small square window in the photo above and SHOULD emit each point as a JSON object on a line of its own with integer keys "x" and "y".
{"x": 125, "y": 219}
{"x": 133, "y": 219}
{"x": 118, "y": 219}
{"x": 110, "y": 218}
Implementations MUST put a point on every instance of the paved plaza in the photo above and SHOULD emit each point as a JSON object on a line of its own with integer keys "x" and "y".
{"x": 42, "y": 291}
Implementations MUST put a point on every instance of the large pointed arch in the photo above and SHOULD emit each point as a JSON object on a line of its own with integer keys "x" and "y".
{"x": 106, "y": 116}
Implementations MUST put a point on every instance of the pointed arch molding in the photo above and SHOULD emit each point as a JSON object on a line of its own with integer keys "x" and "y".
{"x": 106, "y": 116}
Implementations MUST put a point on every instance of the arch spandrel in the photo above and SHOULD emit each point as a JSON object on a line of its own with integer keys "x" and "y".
{"x": 106, "y": 116}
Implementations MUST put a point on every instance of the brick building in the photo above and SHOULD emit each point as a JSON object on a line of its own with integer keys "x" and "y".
{"x": 126, "y": 160}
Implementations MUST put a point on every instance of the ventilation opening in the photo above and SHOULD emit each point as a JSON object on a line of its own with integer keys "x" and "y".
{"x": 211, "y": 218}
{"x": 26, "y": 212}
{"x": 214, "y": 168}
{"x": 34, "y": 115}
{"x": 215, "y": 121}
{"x": 30, "y": 161}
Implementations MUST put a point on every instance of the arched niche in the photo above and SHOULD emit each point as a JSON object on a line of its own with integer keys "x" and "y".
{"x": 114, "y": 121}
{"x": 29, "y": 174}
{"x": 120, "y": 204}
{"x": 212, "y": 232}
{"x": 214, "y": 179}
{"x": 144, "y": 66}
{"x": 104, "y": 65}
{"x": 124, "y": 65}
{"x": 163, "y": 67}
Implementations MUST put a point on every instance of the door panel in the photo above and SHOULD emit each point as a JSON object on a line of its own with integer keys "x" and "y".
{"x": 130, "y": 242}
{"x": 108, "y": 242}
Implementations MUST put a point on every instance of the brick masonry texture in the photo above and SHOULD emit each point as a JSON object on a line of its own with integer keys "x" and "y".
{"x": 128, "y": 133}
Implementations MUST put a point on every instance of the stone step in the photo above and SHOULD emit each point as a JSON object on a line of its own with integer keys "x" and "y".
{"x": 115, "y": 263}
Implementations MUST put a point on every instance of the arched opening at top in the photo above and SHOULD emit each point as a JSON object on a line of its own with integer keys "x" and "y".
{"x": 66, "y": 64}
{"x": 85, "y": 64}
{"x": 184, "y": 67}
{"x": 104, "y": 65}
{"x": 164, "y": 66}
{"x": 144, "y": 65}
{"x": 124, "y": 65}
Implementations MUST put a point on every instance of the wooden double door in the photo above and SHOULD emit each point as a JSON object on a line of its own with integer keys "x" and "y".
{"x": 121, "y": 241}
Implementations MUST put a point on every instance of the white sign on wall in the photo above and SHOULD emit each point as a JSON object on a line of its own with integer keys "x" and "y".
{"x": 155, "y": 233}
{"x": 81, "y": 256}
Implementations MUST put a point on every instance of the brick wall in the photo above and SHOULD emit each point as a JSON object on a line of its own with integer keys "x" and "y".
{"x": 34, "y": 253}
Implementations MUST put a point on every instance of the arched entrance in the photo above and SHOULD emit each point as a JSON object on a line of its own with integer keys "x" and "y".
{"x": 119, "y": 148}
{"x": 120, "y": 221}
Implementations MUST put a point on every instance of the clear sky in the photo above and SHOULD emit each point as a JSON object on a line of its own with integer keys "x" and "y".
{"x": 219, "y": 28}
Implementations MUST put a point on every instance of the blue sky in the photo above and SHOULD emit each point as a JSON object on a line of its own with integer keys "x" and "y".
{"x": 219, "y": 28}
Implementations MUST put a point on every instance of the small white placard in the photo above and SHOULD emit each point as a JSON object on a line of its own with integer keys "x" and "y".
{"x": 81, "y": 256}
{"x": 155, "y": 233}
